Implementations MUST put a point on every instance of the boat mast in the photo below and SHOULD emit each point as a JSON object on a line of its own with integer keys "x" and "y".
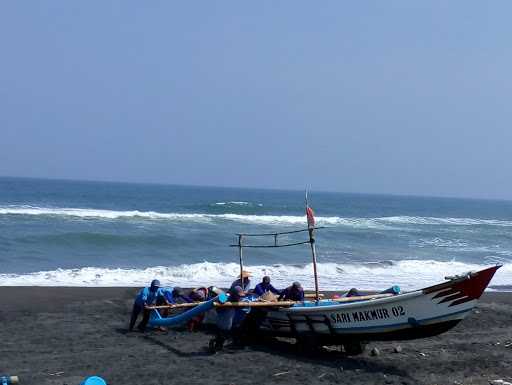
{"x": 240, "y": 247}
{"x": 311, "y": 230}
{"x": 313, "y": 251}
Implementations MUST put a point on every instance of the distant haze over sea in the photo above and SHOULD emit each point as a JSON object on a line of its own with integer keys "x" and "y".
{"x": 123, "y": 234}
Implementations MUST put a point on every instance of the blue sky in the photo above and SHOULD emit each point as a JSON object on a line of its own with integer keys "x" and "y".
{"x": 401, "y": 97}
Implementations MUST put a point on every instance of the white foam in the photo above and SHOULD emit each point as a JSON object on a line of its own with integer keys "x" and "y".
{"x": 235, "y": 203}
{"x": 408, "y": 274}
{"x": 440, "y": 242}
{"x": 445, "y": 221}
{"x": 365, "y": 223}
{"x": 98, "y": 213}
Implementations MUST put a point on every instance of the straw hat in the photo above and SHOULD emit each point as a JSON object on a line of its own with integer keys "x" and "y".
{"x": 246, "y": 274}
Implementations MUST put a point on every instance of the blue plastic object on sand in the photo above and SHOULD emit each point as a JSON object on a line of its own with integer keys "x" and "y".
{"x": 8, "y": 380}
{"x": 94, "y": 380}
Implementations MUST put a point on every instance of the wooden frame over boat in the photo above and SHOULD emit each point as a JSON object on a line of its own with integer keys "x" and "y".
{"x": 416, "y": 314}
{"x": 311, "y": 241}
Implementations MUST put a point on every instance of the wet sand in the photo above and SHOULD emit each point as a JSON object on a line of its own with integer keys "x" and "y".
{"x": 61, "y": 335}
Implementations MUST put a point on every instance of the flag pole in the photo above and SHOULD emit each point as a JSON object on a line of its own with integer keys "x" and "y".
{"x": 311, "y": 229}
{"x": 240, "y": 247}
{"x": 313, "y": 251}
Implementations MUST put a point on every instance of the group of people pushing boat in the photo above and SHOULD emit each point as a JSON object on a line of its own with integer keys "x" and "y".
{"x": 236, "y": 322}
{"x": 294, "y": 292}
{"x": 227, "y": 319}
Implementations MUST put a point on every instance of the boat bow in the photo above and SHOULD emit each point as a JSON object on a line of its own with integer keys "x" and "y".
{"x": 462, "y": 289}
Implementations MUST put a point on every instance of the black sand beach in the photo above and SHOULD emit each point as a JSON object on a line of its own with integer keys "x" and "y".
{"x": 61, "y": 335}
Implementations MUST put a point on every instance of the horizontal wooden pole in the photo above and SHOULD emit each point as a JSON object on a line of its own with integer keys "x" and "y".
{"x": 312, "y": 295}
{"x": 175, "y": 306}
{"x": 270, "y": 304}
{"x": 227, "y": 304}
{"x": 257, "y": 304}
{"x": 270, "y": 246}
{"x": 283, "y": 232}
{"x": 361, "y": 297}
{"x": 291, "y": 303}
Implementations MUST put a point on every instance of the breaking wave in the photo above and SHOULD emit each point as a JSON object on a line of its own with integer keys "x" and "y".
{"x": 238, "y": 203}
{"x": 96, "y": 213}
{"x": 440, "y": 242}
{"x": 446, "y": 221}
{"x": 408, "y": 274}
{"x": 378, "y": 223}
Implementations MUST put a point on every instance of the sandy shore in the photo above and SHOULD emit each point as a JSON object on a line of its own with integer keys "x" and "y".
{"x": 61, "y": 335}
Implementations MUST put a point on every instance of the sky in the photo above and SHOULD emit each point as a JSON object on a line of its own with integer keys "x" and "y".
{"x": 401, "y": 97}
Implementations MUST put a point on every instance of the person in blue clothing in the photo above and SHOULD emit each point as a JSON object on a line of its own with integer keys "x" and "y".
{"x": 179, "y": 296}
{"x": 176, "y": 295}
{"x": 264, "y": 286}
{"x": 227, "y": 320}
{"x": 172, "y": 296}
{"x": 146, "y": 297}
{"x": 165, "y": 296}
{"x": 294, "y": 292}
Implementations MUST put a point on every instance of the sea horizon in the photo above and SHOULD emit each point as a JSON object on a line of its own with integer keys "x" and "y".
{"x": 240, "y": 187}
{"x": 93, "y": 233}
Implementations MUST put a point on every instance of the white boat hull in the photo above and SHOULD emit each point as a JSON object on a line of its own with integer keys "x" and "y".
{"x": 416, "y": 314}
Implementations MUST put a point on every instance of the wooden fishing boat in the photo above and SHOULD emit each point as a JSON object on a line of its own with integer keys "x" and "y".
{"x": 353, "y": 321}
{"x": 415, "y": 314}
{"x": 350, "y": 321}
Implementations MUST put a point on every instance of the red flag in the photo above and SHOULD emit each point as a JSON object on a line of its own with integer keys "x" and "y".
{"x": 311, "y": 217}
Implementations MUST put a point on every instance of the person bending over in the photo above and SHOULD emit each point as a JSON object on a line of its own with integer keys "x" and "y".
{"x": 199, "y": 294}
{"x": 265, "y": 286}
{"x": 292, "y": 293}
{"x": 228, "y": 318}
{"x": 146, "y": 297}
{"x": 176, "y": 295}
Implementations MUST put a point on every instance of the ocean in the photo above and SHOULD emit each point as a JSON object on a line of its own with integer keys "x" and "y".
{"x": 78, "y": 233}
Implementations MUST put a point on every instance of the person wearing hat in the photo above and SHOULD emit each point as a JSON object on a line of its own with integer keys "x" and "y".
{"x": 146, "y": 297}
{"x": 295, "y": 292}
{"x": 265, "y": 286}
{"x": 246, "y": 284}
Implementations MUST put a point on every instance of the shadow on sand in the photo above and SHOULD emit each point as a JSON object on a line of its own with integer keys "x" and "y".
{"x": 326, "y": 357}
{"x": 172, "y": 349}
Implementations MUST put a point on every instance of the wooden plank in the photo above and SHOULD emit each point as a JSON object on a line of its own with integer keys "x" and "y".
{"x": 257, "y": 304}
{"x": 271, "y": 304}
{"x": 272, "y": 234}
{"x": 312, "y": 295}
{"x": 361, "y": 297}
{"x": 176, "y": 306}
